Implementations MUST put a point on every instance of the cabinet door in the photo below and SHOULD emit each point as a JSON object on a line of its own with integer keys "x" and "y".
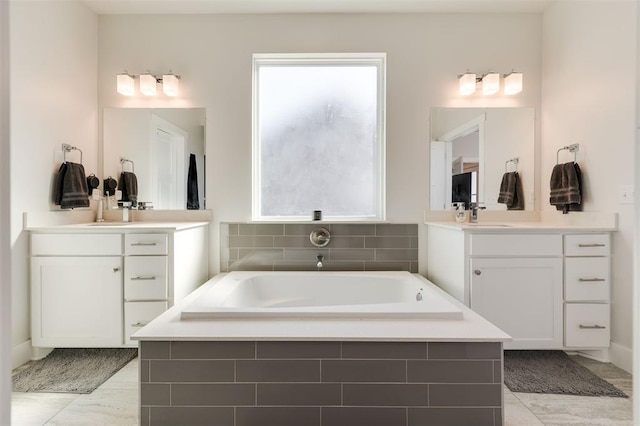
{"x": 522, "y": 296}
{"x": 76, "y": 301}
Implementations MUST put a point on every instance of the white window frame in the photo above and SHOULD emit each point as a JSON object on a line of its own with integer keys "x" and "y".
{"x": 375, "y": 59}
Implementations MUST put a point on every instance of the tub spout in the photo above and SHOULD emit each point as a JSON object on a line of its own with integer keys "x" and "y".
{"x": 319, "y": 258}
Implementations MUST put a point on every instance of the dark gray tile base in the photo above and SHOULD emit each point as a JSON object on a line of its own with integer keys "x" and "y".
{"x": 320, "y": 383}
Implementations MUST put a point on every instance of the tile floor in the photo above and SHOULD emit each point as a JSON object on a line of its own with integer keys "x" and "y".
{"x": 116, "y": 403}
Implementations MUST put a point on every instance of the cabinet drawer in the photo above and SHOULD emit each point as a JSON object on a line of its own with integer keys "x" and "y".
{"x": 76, "y": 244}
{"x": 516, "y": 245}
{"x": 587, "y": 325}
{"x": 587, "y": 245}
{"x": 586, "y": 279}
{"x": 145, "y": 277}
{"x": 139, "y": 314}
{"x": 145, "y": 244}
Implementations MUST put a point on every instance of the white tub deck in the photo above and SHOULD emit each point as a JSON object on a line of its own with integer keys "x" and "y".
{"x": 330, "y": 295}
{"x": 469, "y": 328}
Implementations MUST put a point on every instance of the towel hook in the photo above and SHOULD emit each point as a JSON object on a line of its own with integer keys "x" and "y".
{"x": 515, "y": 161}
{"x": 126, "y": 160}
{"x": 67, "y": 148}
{"x": 571, "y": 148}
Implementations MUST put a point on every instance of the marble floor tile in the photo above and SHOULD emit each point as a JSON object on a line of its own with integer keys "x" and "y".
{"x": 578, "y": 410}
{"x": 126, "y": 378}
{"x": 101, "y": 407}
{"x": 517, "y": 414}
{"x": 37, "y": 408}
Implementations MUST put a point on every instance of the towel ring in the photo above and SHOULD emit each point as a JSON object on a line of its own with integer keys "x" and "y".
{"x": 571, "y": 148}
{"x": 126, "y": 160}
{"x": 67, "y": 148}
{"x": 515, "y": 161}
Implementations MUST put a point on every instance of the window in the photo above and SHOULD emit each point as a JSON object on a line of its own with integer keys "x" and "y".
{"x": 318, "y": 136}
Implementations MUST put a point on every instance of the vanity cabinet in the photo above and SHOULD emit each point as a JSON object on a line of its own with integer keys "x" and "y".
{"x": 97, "y": 289}
{"x": 515, "y": 281}
{"x": 76, "y": 290}
{"x": 548, "y": 289}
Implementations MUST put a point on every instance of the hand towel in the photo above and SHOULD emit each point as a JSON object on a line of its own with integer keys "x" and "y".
{"x": 58, "y": 185}
{"x": 566, "y": 191}
{"x": 128, "y": 184}
{"x": 193, "y": 202}
{"x": 511, "y": 192}
{"x": 74, "y": 187}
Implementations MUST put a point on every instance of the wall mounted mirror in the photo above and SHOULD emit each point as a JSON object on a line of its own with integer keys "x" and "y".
{"x": 471, "y": 149}
{"x": 164, "y": 147}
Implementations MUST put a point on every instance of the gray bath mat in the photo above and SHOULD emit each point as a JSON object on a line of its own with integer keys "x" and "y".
{"x": 71, "y": 370}
{"x": 553, "y": 372}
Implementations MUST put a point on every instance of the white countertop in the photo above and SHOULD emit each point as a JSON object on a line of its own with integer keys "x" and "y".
{"x": 117, "y": 226}
{"x": 169, "y": 326}
{"x": 523, "y": 227}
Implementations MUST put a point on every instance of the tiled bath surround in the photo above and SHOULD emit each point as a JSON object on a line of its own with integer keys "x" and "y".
{"x": 286, "y": 247}
{"x": 322, "y": 383}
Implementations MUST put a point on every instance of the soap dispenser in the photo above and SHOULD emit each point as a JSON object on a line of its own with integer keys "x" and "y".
{"x": 461, "y": 213}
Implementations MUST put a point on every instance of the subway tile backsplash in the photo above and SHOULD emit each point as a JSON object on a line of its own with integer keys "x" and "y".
{"x": 353, "y": 247}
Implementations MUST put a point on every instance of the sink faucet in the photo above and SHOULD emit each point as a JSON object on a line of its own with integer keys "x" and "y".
{"x": 319, "y": 258}
{"x": 125, "y": 210}
{"x": 474, "y": 211}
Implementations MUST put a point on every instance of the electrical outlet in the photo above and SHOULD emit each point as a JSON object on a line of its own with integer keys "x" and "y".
{"x": 626, "y": 194}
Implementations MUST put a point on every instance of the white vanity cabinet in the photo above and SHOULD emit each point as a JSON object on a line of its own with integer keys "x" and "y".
{"x": 587, "y": 290}
{"x": 76, "y": 290}
{"x": 95, "y": 289}
{"x": 515, "y": 282}
{"x": 547, "y": 288}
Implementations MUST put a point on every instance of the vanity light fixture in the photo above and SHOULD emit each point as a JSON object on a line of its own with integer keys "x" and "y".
{"x": 170, "y": 84}
{"x": 512, "y": 83}
{"x": 148, "y": 83}
{"x": 125, "y": 84}
{"x": 490, "y": 83}
{"x": 467, "y": 83}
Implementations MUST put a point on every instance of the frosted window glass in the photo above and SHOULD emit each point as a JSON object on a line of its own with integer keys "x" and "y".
{"x": 318, "y": 140}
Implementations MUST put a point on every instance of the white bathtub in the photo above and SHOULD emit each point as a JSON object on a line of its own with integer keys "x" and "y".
{"x": 324, "y": 294}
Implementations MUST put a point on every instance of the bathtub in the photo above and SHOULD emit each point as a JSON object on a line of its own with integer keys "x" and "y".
{"x": 339, "y": 295}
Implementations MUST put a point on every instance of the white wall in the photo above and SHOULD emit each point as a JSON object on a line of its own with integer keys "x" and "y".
{"x": 213, "y": 55}
{"x": 53, "y": 65}
{"x": 588, "y": 93}
{"x": 5, "y": 244}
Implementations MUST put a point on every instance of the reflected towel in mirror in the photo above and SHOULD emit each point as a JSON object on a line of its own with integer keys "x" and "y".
{"x": 511, "y": 192}
{"x": 128, "y": 184}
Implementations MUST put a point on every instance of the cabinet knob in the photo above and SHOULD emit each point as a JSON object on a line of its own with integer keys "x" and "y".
{"x": 116, "y": 269}
{"x": 477, "y": 272}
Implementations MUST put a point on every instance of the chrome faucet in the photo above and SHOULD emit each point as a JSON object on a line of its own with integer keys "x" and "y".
{"x": 319, "y": 258}
{"x": 474, "y": 211}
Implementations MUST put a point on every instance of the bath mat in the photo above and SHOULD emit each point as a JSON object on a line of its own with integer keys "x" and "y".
{"x": 71, "y": 370}
{"x": 553, "y": 372}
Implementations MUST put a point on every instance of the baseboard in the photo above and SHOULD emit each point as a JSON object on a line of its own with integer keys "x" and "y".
{"x": 20, "y": 354}
{"x": 621, "y": 357}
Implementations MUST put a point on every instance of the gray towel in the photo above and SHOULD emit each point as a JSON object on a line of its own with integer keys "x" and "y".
{"x": 566, "y": 191}
{"x": 74, "y": 187}
{"x": 128, "y": 184}
{"x": 511, "y": 192}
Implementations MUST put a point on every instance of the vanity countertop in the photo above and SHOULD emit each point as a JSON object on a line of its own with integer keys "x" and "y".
{"x": 117, "y": 226}
{"x": 524, "y": 227}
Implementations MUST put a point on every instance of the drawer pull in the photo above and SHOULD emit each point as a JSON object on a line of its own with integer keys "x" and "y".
{"x": 591, "y": 280}
{"x": 144, "y": 244}
{"x": 139, "y": 324}
{"x": 144, "y": 278}
{"x": 592, "y": 245}
{"x": 592, "y": 327}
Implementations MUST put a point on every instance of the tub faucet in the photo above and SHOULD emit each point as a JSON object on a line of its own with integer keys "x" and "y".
{"x": 319, "y": 258}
